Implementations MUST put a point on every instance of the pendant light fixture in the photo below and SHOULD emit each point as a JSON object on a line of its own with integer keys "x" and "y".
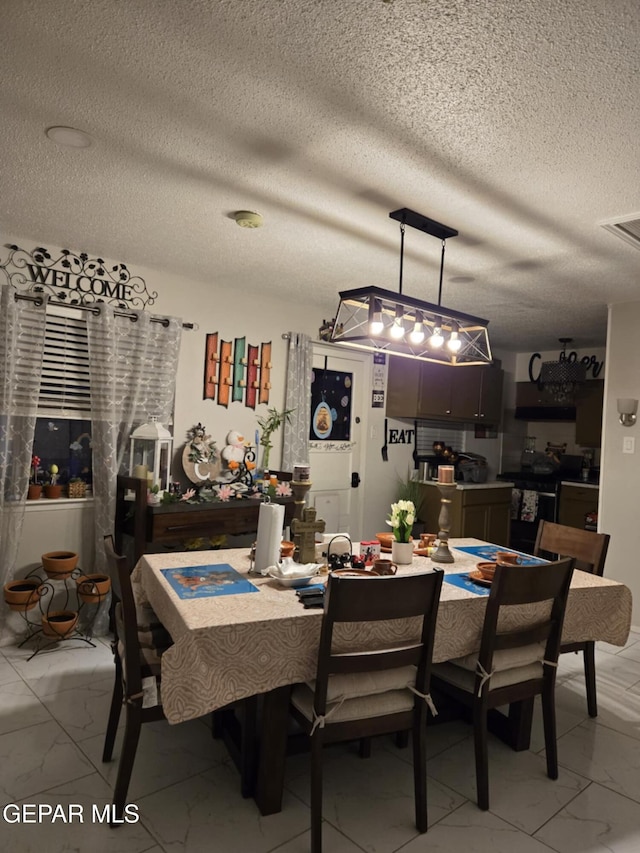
{"x": 561, "y": 379}
{"x": 370, "y": 318}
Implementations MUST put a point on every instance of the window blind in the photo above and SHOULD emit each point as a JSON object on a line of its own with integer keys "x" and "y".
{"x": 64, "y": 389}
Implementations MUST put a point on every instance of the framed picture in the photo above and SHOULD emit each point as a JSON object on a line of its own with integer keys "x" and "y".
{"x": 330, "y": 405}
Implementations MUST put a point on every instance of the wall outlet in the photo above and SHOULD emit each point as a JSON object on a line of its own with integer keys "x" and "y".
{"x": 629, "y": 444}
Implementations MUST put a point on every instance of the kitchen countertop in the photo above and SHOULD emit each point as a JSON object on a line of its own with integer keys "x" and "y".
{"x": 491, "y": 484}
{"x": 582, "y": 483}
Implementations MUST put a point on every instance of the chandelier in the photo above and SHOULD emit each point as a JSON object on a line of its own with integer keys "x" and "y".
{"x": 370, "y": 318}
{"x": 561, "y": 379}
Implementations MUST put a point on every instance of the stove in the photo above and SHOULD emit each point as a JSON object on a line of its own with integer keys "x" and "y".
{"x": 534, "y": 498}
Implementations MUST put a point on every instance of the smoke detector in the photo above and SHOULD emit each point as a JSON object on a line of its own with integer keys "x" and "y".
{"x": 248, "y": 219}
{"x": 69, "y": 137}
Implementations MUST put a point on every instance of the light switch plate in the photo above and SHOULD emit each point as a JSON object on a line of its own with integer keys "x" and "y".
{"x": 628, "y": 444}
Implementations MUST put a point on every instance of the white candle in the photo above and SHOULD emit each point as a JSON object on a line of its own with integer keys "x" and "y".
{"x": 301, "y": 472}
{"x": 445, "y": 474}
{"x": 140, "y": 472}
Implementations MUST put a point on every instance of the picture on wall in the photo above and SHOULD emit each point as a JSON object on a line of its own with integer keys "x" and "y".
{"x": 330, "y": 405}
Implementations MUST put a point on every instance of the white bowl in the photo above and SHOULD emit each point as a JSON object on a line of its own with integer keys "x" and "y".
{"x": 292, "y": 583}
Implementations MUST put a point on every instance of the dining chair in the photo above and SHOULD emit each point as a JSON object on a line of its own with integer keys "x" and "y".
{"x": 138, "y": 647}
{"x": 517, "y": 659}
{"x": 363, "y": 692}
{"x": 139, "y": 643}
{"x": 589, "y": 551}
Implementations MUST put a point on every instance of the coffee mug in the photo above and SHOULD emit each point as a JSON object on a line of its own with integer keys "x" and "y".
{"x": 385, "y": 567}
{"x": 507, "y": 558}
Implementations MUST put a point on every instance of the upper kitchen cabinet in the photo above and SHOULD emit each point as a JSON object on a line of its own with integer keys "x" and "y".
{"x": 439, "y": 392}
{"x": 403, "y": 388}
{"x": 589, "y": 402}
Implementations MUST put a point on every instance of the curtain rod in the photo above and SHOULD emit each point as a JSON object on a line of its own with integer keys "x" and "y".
{"x": 95, "y": 309}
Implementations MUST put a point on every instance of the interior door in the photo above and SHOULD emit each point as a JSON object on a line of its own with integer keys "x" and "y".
{"x": 336, "y": 490}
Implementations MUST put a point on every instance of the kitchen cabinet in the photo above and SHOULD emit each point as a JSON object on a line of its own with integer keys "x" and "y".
{"x": 403, "y": 388}
{"x": 589, "y": 402}
{"x": 440, "y": 392}
{"x": 479, "y": 512}
{"x": 575, "y": 502}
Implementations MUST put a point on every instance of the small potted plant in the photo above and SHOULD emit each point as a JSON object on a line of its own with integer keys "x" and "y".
{"x": 76, "y": 488}
{"x": 53, "y": 489}
{"x": 35, "y": 488}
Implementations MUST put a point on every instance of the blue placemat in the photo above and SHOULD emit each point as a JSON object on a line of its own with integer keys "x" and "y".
{"x": 488, "y": 552}
{"x": 464, "y": 582}
{"x": 207, "y": 581}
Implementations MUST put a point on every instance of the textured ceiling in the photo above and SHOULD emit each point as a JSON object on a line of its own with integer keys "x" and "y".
{"x": 517, "y": 123}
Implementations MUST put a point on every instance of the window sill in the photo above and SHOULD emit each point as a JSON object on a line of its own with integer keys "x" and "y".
{"x": 44, "y": 504}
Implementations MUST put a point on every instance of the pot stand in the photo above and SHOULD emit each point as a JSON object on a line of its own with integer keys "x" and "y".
{"x": 82, "y": 631}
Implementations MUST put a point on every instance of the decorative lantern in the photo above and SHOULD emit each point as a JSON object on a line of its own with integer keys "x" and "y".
{"x": 151, "y": 454}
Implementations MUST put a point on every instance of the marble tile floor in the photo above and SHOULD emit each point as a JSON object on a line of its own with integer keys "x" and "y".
{"x": 53, "y": 712}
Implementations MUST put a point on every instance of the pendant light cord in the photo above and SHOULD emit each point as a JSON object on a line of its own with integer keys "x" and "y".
{"x": 441, "y": 273}
{"x": 402, "y": 227}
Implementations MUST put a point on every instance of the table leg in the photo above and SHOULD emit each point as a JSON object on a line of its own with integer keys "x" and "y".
{"x": 514, "y": 729}
{"x": 272, "y": 750}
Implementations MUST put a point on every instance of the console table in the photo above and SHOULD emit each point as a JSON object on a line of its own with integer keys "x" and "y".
{"x": 170, "y": 523}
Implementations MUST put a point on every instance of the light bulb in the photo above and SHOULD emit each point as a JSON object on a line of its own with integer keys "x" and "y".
{"x": 454, "y": 343}
{"x": 436, "y": 340}
{"x": 417, "y": 334}
{"x": 397, "y": 329}
{"x": 376, "y": 326}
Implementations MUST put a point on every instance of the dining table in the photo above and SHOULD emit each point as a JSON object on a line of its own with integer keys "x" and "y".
{"x": 253, "y": 635}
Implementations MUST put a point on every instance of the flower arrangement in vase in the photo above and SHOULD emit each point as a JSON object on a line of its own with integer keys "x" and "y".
{"x": 268, "y": 426}
{"x": 35, "y": 488}
{"x": 401, "y": 519}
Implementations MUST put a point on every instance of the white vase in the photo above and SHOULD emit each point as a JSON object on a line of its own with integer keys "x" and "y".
{"x": 402, "y": 553}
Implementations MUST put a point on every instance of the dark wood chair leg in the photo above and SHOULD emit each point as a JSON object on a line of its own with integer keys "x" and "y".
{"x": 590, "y": 678}
{"x": 402, "y": 739}
{"x": 420, "y": 773}
{"x": 316, "y": 792}
{"x": 114, "y": 713}
{"x": 127, "y": 758}
{"x": 364, "y": 749}
{"x": 482, "y": 754}
{"x": 550, "y": 739}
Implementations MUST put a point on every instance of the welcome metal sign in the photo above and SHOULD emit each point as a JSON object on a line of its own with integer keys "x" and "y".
{"x": 76, "y": 279}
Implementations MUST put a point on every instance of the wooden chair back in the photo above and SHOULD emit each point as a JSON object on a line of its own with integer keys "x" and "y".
{"x": 518, "y": 585}
{"x": 126, "y": 620}
{"x": 138, "y": 507}
{"x": 360, "y": 600}
{"x": 588, "y": 549}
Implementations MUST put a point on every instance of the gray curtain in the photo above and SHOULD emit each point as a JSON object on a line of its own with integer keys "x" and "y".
{"x": 133, "y": 368}
{"x": 22, "y": 329}
{"x": 298, "y": 397}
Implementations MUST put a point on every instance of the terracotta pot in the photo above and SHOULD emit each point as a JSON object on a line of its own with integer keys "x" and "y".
{"x": 92, "y": 589}
{"x": 35, "y": 492}
{"x": 287, "y": 548}
{"x": 52, "y": 491}
{"x": 59, "y": 623}
{"x": 59, "y": 564}
{"x": 22, "y": 594}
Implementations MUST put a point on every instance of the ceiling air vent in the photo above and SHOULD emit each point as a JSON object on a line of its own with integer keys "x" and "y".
{"x": 628, "y": 229}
